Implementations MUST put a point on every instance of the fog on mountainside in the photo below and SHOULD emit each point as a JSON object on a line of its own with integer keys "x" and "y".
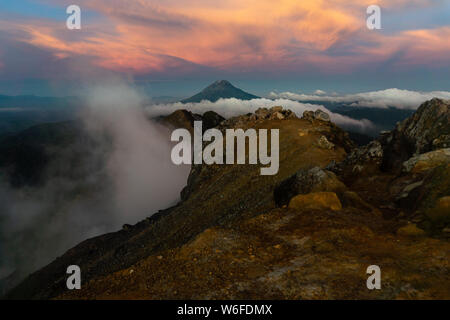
{"x": 65, "y": 182}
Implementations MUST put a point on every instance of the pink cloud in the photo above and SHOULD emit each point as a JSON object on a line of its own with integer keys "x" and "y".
{"x": 152, "y": 36}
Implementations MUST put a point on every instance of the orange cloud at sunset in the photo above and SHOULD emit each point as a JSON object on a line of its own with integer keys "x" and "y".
{"x": 146, "y": 36}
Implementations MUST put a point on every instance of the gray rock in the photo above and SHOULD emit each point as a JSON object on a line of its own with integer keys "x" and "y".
{"x": 316, "y": 115}
{"x": 308, "y": 115}
{"x": 407, "y": 189}
{"x": 306, "y": 181}
{"x": 427, "y": 160}
{"x": 262, "y": 113}
{"x": 321, "y": 115}
{"x": 276, "y": 109}
{"x": 276, "y": 116}
{"x": 372, "y": 152}
{"x": 324, "y": 143}
{"x": 428, "y": 129}
{"x": 288, "y": 114}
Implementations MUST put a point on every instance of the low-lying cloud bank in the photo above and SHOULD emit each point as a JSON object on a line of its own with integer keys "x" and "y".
{"x": 234, "y": 107}
{"x": 126, "y": 177}
{"x": 402, "y": 99}
{"x": 144, "y": 177}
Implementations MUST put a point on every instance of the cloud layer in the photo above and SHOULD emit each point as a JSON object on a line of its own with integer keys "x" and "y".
{"x": 185, "y": 36}
{"x": 234, "y": 107}
{"x": 402, "y": 99}
{"x": 126, "y": 177}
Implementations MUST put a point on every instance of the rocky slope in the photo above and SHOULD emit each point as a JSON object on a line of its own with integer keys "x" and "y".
{"x": 308, "y": 232}
{"x": 411, "y": 166}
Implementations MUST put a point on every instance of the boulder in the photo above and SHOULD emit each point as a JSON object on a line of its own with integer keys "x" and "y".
{"x": 428, "y": 129}
{"x": 262, "y": 113}
{"x": 274, "y": 113}
{"x": 306, "y": 181}
{"x": 365, "y": 159}
{"x": 407, "y": 197}
{"x": 427, "y": 161}
{"x": 441, "y": 142}
{"x": 410, "y": 230}
{"x": 321, "y": 115}
{"x": 440, "y": 213}
{"x": 276, "y": 109}
{"x": 324, "y": 143}
{"x": 372, "y": 152}
{"x": 423, "y": 196}
{"x": 308, "y": 115}
{"x": 288, "y": 114}
{"x": 316, "y": 200}
{"x": 276, "y": 116}
{"x": 316, "y": 115}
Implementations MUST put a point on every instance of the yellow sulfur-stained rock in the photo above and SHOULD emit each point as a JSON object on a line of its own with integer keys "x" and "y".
{"x": 427, "y": 161}
{"x": 441, "y": 211}
{"x": 316, "y": 200}
{"x": 410, "y": 230}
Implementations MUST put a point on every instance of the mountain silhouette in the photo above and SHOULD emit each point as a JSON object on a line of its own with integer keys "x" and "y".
{"x": 220, "y": 89}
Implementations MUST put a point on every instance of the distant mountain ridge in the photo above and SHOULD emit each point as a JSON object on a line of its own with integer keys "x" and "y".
{"x": 220, "y": 89}
{"x": 18, "y": 113}
{"x": 32, "y": 101}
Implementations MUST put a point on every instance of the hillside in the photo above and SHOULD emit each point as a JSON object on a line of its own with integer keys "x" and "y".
{"x": 46, "y": 172}
{"x": 25, "y": 157}
{"x": 308, "y": 232}
{"x": 18, "y": 113}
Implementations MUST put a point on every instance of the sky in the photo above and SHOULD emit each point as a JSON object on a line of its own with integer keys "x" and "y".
{"x": 177, "y": 47}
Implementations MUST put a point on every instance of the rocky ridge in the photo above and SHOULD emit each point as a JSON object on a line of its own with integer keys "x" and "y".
{"x": 308, "y": 232}
{"x": 415, "y": 158}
